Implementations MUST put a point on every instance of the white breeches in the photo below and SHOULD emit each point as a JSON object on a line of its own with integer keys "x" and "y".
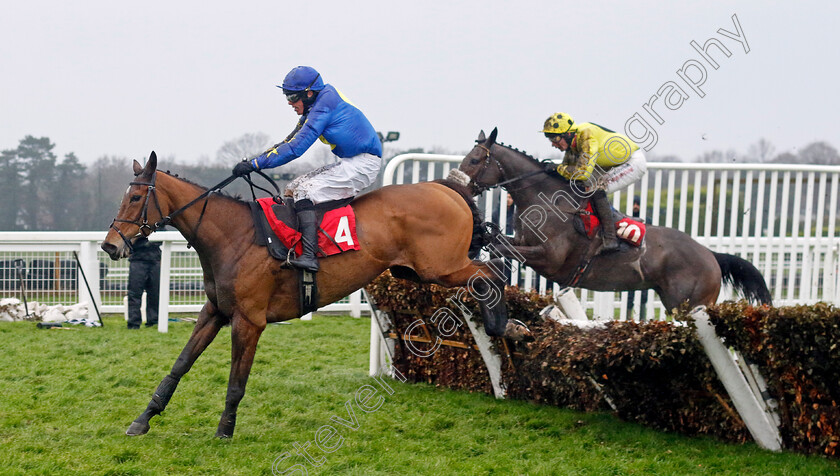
{"x": 343, "y": 179}
{"x": 620, "y": 176}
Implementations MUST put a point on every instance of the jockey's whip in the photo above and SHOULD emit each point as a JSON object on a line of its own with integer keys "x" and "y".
{"x": 87, "y": 285}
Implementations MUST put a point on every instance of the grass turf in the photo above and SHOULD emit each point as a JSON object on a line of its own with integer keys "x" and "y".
{"x": 69, "y": 395}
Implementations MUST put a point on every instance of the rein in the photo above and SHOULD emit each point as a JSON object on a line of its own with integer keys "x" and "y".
{"x": 269, "y": 179}
{"x": 145, "y": 228}
{"x": 167, "y": 219}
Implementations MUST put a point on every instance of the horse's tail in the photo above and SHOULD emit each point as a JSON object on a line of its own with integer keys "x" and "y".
{"x": 742, "y": 275}
{"x": 477, "y": 241}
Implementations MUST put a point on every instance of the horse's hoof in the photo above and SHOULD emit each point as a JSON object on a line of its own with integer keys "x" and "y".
{"x": 226, "y": 426}
{"x": 516, "y": 330}
{"x": 137, "y": 428}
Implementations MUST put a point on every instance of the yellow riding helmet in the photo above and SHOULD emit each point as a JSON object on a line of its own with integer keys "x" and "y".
{"x": 559, "y": 123}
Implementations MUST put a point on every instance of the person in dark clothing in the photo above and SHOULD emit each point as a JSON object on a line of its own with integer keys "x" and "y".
{"x": 143, "y": 275}
{"x": 509, "y": 230}
{"x": 511, "y": 216}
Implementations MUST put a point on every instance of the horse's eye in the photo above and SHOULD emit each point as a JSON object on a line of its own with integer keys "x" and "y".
{"x": 475, "y": 161}
{"x": 135, "y": 198}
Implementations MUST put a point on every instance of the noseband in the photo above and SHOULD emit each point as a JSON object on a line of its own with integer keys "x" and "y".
{"x": 481, "y": 187}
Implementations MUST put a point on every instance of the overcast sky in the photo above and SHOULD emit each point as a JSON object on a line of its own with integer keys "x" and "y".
{"x": 183, "y": 77}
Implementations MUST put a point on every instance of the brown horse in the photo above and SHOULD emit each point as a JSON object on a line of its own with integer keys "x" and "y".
{"x": 421, "y": 231}
{"x": 678, "y": 268}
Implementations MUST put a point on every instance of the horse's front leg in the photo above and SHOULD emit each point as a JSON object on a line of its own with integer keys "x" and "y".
{"x": 244, "y": 338}
{"x": 513, "y": 248}
{"x": 527, "y": 255}
{"x": 208, "y": 325}
{"x": 489, "y": 291}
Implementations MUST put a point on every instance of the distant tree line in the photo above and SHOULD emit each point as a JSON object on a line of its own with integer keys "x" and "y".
{"x": 42, "y": 193}
{"x": 817, "y": 153}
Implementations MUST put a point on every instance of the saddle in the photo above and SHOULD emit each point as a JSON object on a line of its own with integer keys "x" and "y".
{"x": 277, "y": 227}
{"x": 630, "y": 230}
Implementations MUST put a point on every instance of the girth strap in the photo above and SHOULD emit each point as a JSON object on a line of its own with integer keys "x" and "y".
{"x": 308, "y": 292}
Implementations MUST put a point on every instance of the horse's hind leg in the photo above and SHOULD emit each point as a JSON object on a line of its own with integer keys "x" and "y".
{"x": 208, "y": 325}
{"x": 703, "y": 291}
{"x": 244, "y": 338}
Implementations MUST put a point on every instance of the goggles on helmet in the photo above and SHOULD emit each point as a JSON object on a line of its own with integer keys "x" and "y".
{"x": 295, "y": 96}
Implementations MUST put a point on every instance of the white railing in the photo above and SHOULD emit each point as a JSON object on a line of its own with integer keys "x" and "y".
{"x": 51, "y": 276}
{"x": 782, "y": 218}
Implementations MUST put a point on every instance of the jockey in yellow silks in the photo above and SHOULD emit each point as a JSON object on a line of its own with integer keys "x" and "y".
{"x": 602, "y": 160}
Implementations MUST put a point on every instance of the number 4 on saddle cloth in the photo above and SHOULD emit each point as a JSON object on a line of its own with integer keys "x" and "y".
{"x": 276, "y": 227}
{"x": 630, "y": 230}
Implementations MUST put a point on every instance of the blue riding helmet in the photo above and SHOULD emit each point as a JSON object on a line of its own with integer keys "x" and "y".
{"x": 302, "y": 78}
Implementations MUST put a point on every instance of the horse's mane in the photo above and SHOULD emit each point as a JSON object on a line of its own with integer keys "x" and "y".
{"x": 477, "y": 241}
{"x": 522, "y": 152}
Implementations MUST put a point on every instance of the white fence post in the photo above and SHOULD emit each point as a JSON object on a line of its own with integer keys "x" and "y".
{"x": 90, "y": 266}
{"x": 570, "y": 305}
{"x": 356, "y": 304}
{"x": 165, "y": 271}
{"x": 763, "y": 429}
{"x": 491, "y": 358}
{"x": 377, "y": 360}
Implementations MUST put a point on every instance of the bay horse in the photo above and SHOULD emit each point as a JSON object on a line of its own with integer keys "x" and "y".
{"x": 670, "y": 262}
{"x": 420, "y": 231}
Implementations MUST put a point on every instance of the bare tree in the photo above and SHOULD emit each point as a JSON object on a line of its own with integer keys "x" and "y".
{"x": 244, "y": 146}
{"x": 719, "y": 156}
{"x": 710, "y": 157}
{"x": 819, "y": 153}
{"x": 761, "y": 151}
{"x": 663, "y": 158}
{"x": 785, "y": 158}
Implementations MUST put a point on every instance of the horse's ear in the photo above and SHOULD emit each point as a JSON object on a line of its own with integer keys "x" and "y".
{"x": 137, "y": 168}
{"x": 151, "y": 164}
{"x": 481, "y": 137}
{"x": 492, "y": 138}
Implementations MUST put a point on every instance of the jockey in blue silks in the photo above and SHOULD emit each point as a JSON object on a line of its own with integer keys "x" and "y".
{"x": 329, "y": 116}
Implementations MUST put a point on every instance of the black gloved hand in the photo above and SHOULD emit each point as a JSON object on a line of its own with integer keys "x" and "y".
{"x": 243, "y": 168}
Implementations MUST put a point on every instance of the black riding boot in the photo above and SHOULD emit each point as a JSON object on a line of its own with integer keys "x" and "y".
{"x": 309, "y": 231}
{"x": 604, "y": 212}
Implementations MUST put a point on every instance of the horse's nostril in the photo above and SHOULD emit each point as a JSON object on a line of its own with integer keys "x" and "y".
{"x": 109, "y": 248}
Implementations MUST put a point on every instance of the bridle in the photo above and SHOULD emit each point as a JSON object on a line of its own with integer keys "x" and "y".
{"x": 142, "y": 221}
{"x": 480, "y": 187}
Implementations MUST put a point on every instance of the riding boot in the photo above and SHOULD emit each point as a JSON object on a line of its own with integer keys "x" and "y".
{"x": 602, "y": 208}
{"x": 309, "y": 235}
